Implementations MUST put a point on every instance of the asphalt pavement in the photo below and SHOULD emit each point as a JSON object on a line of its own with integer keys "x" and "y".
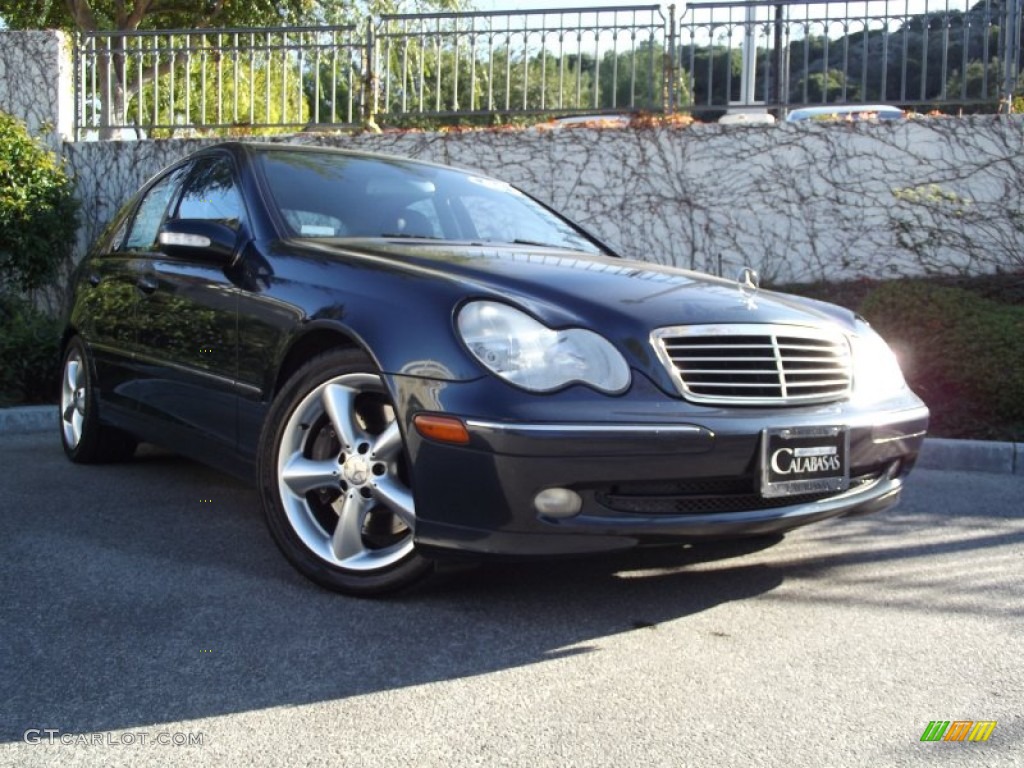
{"x": 146, "y": 618}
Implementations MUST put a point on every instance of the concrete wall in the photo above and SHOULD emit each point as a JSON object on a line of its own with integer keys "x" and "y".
{"x": 36, "y": 82}
{"x": 799, "y": 202}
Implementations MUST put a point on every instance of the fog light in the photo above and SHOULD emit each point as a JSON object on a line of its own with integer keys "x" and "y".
{"x": 558, "y": 502}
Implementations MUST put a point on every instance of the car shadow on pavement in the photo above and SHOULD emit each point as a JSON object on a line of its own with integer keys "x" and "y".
{"x": 151, "y": 593}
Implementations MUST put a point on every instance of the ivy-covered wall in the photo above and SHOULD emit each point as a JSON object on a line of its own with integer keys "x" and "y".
{"x": 36, "y": 84}
{"x": 799, "y": 202}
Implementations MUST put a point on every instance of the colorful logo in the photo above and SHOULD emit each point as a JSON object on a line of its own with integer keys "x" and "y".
{"x": 958, "y": 730}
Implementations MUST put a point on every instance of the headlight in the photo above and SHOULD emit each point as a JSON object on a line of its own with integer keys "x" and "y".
{"x": 527, "y": 353}
{"x": 876, "y": 371}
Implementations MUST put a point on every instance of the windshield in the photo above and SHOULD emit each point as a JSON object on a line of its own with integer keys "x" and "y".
{"x": 320, "y": 194}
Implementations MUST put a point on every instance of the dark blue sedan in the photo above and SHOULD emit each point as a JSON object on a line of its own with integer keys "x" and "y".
{"x": 415, "y": 363}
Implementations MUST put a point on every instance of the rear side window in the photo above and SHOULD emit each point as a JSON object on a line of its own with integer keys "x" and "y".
{"x": 211, "y": 194}
{"x": 112, "y": 237}
{"x": 151, "y": 212}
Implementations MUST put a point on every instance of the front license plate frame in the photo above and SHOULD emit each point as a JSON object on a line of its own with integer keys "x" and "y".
{"x": 802, "y": 460}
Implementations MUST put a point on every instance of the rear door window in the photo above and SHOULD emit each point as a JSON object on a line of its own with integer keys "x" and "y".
{"x": 211, "y": 194}
{"x": 152, "y": 211}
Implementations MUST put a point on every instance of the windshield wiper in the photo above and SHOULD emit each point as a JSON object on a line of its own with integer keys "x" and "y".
{"x": 520, "y": 241}
{"x": 407, "y": 236}
{"x": 535, "y": 243}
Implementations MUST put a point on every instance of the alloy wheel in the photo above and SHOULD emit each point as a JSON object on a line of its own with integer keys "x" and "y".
{"x": 343, "y": 478}
{"x": 73, "y": 398}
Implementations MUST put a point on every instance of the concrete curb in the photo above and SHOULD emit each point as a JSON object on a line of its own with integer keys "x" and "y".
{"x": 27, "y": 418}
{"x": 938, "y": 453}
{"x": 972, "y": 456}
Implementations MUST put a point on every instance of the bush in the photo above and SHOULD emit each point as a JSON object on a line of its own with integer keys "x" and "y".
{"x": 1003, "y": 287}
{"x": 29, "y": 351}
{"x": 962, "y": 353}
{"x": 38, "y": 211}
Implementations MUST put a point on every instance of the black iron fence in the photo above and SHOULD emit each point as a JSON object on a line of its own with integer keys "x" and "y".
{"x": 934, "y": 54}
{"x": 952, "y": 55}
{"x": 219, "y": 80}
{"x": 545, "y": 61}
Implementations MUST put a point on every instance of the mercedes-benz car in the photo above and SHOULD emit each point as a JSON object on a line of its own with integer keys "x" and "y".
{"x": 415, "y": 363}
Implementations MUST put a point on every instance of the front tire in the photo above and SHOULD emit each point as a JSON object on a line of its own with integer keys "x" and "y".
{"x": 85, "y": 439}
{"x": 334, "y": 478}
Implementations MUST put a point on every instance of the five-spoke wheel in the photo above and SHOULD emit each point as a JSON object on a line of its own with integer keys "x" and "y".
{"x": 335, "y": 478}
{"x": 72, "y": 398}
{"x": 85, "y": 438}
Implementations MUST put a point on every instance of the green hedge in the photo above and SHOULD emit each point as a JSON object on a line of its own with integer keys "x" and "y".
{"x": 38, "y": 211}
{"x": 29, "y": 350}
{"x": 38, "y": 227}
{"x": 961, "y": 352}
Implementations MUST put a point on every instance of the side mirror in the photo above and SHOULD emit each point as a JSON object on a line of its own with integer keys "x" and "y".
{"x": 198, "y": 239}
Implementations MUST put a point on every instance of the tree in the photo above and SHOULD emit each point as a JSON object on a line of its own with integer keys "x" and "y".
{"x": 332, "y": 86}
{"x": 638, "y": 79}
{"x": 443, "y": 78}
{"x": 715, "y": 72}
{"x": 123, "y": 81}
{"x": 824, "y": 88}
{"x": 130, "y": 15}
{"x": 119, "y": 83}
{"x": 234, "y": 89}
{"x": 536, "y": 82}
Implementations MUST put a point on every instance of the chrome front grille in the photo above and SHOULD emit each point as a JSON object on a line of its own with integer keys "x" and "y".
{"x": 754, "y": 364}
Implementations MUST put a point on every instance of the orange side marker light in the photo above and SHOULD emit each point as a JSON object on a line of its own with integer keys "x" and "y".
{"x": 444, "y": 429}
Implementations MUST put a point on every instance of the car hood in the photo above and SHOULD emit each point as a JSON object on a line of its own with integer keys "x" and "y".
{"x": 611, "y": 295}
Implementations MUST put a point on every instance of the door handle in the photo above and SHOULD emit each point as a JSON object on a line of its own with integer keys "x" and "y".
{"x": 146, "y": 284}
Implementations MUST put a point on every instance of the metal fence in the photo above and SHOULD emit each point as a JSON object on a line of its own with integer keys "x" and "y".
{"x": 962, "y": 54}
{"x": 944, "y": 54}
{"x": 544, "y": 61}
{"x": 218, "y": 79}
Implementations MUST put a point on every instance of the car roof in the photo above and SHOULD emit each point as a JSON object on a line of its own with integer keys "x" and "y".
{"x": 881, "y": 111}
{"x": 253, "y": 147}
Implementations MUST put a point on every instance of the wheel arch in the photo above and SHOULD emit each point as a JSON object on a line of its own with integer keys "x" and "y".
{"x": 66, "y": 335}
{"x": 315, "y": 341}
{"x": 69, "y": 334}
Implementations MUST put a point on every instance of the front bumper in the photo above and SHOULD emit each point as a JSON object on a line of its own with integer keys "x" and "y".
{"x": 646, "y": 477}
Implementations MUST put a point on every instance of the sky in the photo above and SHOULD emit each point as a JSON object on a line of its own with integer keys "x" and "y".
{"x": 877, "y": 6}
{"x": 518, "y": 5}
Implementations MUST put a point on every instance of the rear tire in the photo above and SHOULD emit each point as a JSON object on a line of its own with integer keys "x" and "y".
{"x": 85, "y": 439}
{"x": 334, "y": 478}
